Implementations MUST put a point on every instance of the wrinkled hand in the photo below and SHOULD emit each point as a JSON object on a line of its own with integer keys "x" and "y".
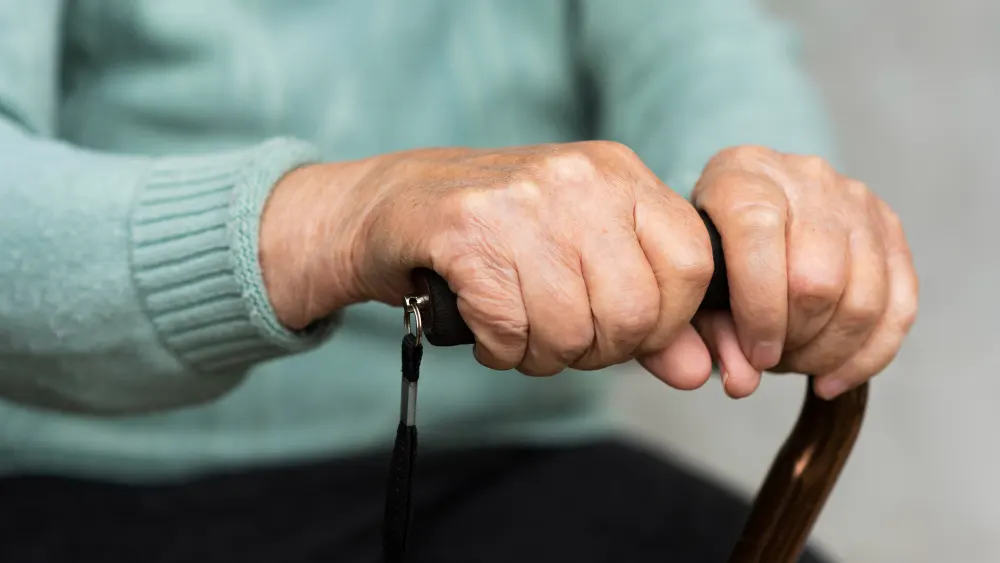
{"x": 821, "y": 277}
{"x": 576, "y": 255}
{"x": 561, "y": 255}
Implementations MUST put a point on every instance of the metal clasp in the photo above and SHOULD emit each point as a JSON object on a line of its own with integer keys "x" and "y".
{"x": 411, "y": 306}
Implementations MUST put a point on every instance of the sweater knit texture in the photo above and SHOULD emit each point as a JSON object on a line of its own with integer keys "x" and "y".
{"x": 139, "y": 140}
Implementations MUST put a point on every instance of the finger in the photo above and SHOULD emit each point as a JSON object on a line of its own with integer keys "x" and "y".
{"x": 861, "y": 306}
{"x": 883, "y": 345}
{"x": 684, "y": 364}
{"x": 818, "y": 269}
{"x": 624, "y": 296}
{"x": 561, "y": 327}
{"x": 493, "y": 310}
{"x": 677, "y": 248}
{"x": 739, "y": 377}
{"x": 750, "y": 212}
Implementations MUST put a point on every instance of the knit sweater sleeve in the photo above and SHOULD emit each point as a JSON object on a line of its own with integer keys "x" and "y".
{"x": 127, "y": 283}
{"x": 679, "y": 80}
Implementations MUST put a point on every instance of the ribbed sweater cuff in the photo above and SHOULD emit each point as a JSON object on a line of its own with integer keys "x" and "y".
{"x": 195, "y": 256}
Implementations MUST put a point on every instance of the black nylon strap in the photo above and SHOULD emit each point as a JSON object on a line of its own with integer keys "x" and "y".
{"x": 396, "y": 521}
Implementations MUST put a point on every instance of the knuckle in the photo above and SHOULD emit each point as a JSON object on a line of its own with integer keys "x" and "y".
{"x": 694, "y": 265}
{"x": 698, "y": 272}
{"x": 814, "y": 166}
{"x": 611, "y": 147}
{"x": 744, "y": 155}
{"x": 890, "y": 217}
{"x": 473, "y": 211}
{"x": 860, "y": 313}
{"x": 716, "y": 188}
{"x": 573, "y": 165}
{"x": 759, "y": 218}
{"x": 859, "y": 191}
{"x": 525, "y": 191}
{"x": 908, "y": 315}
{"x": 813, "y": 289}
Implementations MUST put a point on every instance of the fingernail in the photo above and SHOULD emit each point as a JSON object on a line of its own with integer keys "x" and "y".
{"x": 765, "y": 355}
{"x": 724, "y": 375}
{"x": 829, "y": 389}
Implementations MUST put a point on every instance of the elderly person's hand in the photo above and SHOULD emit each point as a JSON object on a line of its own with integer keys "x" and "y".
{"x": 576, "y": 255}
{"x": 821, "y": 277}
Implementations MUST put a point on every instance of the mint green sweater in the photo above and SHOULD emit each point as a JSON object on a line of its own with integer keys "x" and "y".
{"x": 139, "y": 140}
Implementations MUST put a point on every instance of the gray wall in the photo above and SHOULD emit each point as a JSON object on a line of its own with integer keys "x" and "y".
{"x": 913, "y": 85}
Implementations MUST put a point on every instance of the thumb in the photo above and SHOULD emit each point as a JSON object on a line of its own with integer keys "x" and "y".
{"x": 684, "y": 364}
{"x": 739, "y": 378}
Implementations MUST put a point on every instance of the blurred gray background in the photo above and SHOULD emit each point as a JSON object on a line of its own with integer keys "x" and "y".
{"x": 913, "y": 86}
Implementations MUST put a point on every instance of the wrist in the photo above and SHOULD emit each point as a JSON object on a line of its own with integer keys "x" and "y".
{"x": 310, "y": 229}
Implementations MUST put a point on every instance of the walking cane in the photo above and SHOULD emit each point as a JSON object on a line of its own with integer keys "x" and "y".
{"x": 788, "y": 502}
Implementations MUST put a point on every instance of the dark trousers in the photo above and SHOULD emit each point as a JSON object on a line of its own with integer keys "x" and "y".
{"x": 607, "y": 502}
